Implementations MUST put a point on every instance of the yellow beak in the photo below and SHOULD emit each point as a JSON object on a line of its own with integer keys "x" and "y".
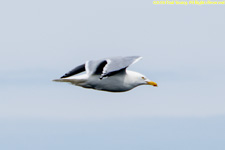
{"x": 152, "y": 83}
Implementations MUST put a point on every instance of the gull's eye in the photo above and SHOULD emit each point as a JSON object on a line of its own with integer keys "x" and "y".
{"x": 143, "y": 78}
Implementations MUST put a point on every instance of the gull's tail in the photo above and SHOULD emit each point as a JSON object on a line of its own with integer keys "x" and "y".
{"x": 60, "y": 80}
{"x": 73, "y": 80}
{"x": 68, "y": 80}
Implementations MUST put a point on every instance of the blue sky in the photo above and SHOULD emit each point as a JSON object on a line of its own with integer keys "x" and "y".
{"x": 182, "y": 49}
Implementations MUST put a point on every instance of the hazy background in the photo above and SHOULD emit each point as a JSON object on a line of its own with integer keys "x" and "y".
{"x": 183, "y": 51}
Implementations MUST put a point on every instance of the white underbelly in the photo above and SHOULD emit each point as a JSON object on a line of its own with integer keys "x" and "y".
{"x": 113, "y": 84}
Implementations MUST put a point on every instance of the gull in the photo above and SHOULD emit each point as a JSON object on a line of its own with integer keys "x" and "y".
{"x": 109, "y": 75}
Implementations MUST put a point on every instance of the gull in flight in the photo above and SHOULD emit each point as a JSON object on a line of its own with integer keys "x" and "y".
{"x": 107, "y": 75}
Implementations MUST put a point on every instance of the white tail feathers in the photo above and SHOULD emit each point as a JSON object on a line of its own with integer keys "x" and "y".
{"x": 58, "y": 80}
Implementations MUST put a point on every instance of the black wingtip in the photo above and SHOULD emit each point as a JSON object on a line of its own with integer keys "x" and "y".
{"x": 102, "y": 76}
{"x": 64, "y": 76}
{"x": 76, "y": 70}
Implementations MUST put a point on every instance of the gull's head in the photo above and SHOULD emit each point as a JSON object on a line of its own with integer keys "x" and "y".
{"x": 140, "y": 79}
{"x": 148, "y": 82}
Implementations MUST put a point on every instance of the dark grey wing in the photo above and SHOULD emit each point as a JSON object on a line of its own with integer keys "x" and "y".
{"x": 118, "y": 64}
{"x": 76, "y": 70}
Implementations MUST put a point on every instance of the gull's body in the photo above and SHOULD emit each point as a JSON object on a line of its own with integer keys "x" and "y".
{"x": 107, "y": 75}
